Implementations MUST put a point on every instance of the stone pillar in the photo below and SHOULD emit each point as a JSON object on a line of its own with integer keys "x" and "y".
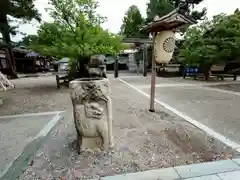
{"x": 92, "y": 110}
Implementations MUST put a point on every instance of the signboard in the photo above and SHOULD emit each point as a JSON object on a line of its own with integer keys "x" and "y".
{"x": 164, "y": 46}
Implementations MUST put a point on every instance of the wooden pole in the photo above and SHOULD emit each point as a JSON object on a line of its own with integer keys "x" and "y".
{"x": 153, "y": 78}
{"x": 145, "y": 61}
{"x": 116, "y": 68}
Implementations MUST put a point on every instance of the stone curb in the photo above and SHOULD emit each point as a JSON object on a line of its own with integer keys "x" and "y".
{"x": 21, "y": 162}
{"x": 181, "y": 172}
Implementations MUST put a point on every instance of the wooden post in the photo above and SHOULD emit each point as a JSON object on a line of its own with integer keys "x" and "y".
{"x": 145, "y": 61}
{"x": 116, "y": 68}
{"x": 153, "y": 78}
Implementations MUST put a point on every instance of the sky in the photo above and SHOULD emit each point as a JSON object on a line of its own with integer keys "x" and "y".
{"x": 114, "y": 10}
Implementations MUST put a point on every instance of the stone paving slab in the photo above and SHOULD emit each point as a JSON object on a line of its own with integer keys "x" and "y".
{"x": 20, "y": 137}
{"x": 163, "y": 174}
{"x": 210, "y": 177}
{"x": 218, "y": 170}
{"x": 237, "y": 161}
{"x": 230, "y": 175}
{"x": 189, "y": 171}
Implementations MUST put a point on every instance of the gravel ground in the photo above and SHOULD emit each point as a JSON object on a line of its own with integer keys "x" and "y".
{"x": 33, "y": 95}
{"x": 143, "y": 140}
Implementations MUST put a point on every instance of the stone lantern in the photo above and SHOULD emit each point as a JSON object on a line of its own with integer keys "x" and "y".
{"x": 163, "y": 31}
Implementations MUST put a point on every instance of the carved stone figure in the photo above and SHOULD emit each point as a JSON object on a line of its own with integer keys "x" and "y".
{"x": 96, "y": 67}
{"x": 97, "y": 71}
{"x": 92, "y": 111}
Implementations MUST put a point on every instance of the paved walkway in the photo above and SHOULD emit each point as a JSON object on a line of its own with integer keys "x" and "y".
{"x": 20, "y": 137}
{"x": 214, "y": 110}
{"x": 218, "y": 170}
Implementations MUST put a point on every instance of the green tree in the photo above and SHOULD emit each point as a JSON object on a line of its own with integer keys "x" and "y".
{"x": 132, "y": 23}
{"x": 28, "y": 40}
{"x": 24, "y": 10}
{"x": 76, "y": 33}
{"x": 158, "y": 8}
{"x": 212, "y": 42}
{"x": 163, "y": 7}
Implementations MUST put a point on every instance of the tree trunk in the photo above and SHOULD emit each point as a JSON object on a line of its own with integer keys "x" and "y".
{"x": 4, "y": 29}
{"x": 177, "y": 2}
{"x": 79, "y": 68}
{"x": 207, "y": 72}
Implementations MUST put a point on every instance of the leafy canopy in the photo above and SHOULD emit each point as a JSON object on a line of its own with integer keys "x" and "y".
{"x": 163, "y": 7}
{"x": 158, "y": 8}
{"x": 213, "y": 42}
{"x": 28, "y": 40}
{"x": 22, "y": 10}
{"x": 132, "y": 22}
{"x": 133, "y": 19}
{"x": 76, "y": 31}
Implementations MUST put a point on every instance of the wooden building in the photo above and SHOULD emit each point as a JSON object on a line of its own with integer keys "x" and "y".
{"x": 23, "y": 62}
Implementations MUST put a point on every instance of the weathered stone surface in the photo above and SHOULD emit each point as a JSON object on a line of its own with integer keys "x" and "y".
{"x": 98, "y": 71}
{"x": 96, "y": 66}
{"x": 92, "y": 111}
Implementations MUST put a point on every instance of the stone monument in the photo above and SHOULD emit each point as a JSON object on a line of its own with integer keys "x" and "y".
{"x": 92, "y": 109}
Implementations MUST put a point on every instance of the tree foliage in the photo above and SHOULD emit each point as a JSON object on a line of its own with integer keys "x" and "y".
{"x": 163, "y": 7}
{"x": 28, "y": 40}
{"x": 19, "y": 9}
{"x": 158, "y": 8}
{"x": 213, "y": 42}
{"x": 76, "y": 31}
{"x": 22, "y": 10}
{"x": 132, "y": 22}
{"x": 133, "y": 19}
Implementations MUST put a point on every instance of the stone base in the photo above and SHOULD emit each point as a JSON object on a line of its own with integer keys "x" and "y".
{"x": 91, "y": 143}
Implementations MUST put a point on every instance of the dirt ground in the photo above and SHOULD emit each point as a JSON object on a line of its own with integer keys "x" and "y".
{"x": 33, "y": 95}
{"x": 143, "y": 140}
